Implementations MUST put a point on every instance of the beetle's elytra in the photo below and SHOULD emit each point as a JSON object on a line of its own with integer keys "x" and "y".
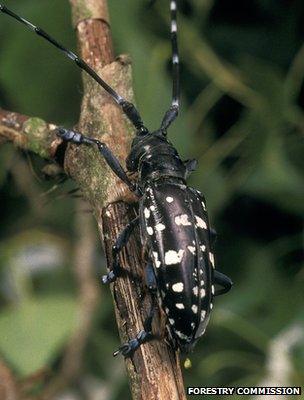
{"x": 173, "y": 220}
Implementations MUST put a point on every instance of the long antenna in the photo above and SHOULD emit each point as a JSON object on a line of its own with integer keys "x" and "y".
{"x": 128, "y": 108}
{"x": 172, "y": 113}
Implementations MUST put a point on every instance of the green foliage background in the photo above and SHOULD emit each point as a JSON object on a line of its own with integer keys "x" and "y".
{"x": 242, "y": 118}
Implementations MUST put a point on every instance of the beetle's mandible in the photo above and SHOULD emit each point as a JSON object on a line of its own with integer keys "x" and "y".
{"x": 173, "y": 220}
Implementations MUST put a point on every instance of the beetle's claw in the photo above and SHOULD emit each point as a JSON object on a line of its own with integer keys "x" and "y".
{"x": 109, "y": 278}
{"x": 128, "y": 348}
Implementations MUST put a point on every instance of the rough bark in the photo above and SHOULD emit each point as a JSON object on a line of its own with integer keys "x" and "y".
{"x": 154, "y": 370}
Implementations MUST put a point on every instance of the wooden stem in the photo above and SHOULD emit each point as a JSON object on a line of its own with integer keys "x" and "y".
{"x": 154, "y": 370}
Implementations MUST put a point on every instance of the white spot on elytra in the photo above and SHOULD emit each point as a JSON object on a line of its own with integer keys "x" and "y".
{"x": 178, "y": 287}
{"x": 180, "y": 306}
{"x": 160, "y": 227}
{"x": 201, "y": 333}
{"x": 191, "y": 249}
{"x": 203, "y": 247}
{"x": 181, "y": 335}
{"x": 200, "y": 223}
{"x": 211, "y": 306}
{"x": 192, "y": 325}
{"x": 194, "y": 308}
{"x": 169, "y": 199}
{"x": 204, "y": 205}
{"x": 212, "y": 289}
{"x": 195, "y": 291}
{"x": 147, "y": 213}
{"x": 173, "y": 257}
{"x": 166, "y": 310}
{"x": 211, "y": 258}
{"x": 171, "y": 321}
{"x": 152, "y": 208}
{"x": 156, "y": 260}
{"x": 108, "y": 214}
{"x": 150, "y": 230}
{"x": 203, "y": 314}
{"x": 182, "y": 220}
{"x": 203, "y": 293}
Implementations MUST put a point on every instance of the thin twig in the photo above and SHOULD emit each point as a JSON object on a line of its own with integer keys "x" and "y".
{"x": 29, "y": 133}
{"x": 8, "y": 385}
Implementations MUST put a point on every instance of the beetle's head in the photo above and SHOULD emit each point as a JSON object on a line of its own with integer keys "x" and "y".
{"x": 143, "y": 144}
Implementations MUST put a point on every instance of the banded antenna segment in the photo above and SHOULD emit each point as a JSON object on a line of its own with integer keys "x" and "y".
{"x": 128, "y": 108}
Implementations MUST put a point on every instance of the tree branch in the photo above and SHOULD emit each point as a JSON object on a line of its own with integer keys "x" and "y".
{"x": 8, "y": 385}
{"x": 29, "y": 133}
{"x": 154, "y": 370}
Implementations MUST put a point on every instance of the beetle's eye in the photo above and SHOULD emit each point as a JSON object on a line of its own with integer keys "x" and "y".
{"x": 142, "y": 131}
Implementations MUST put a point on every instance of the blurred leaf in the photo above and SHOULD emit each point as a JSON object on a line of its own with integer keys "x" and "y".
{"x": 242, "y": 327}
{"x": 228, "y": 359}
{"x": 33, "y": 333}
{"x": 275, "y": 179}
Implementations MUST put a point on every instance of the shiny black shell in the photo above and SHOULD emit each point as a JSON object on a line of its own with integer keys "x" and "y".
{"x": 175, "y": 229}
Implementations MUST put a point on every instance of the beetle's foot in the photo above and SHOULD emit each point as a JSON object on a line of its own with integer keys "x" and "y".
{"x": 119, "y": 272}
{"x": 116, "y": 271}
{"x": 128, "y": 348}
{"x": 69, "y": 135}
{"x": 109, "y": 278}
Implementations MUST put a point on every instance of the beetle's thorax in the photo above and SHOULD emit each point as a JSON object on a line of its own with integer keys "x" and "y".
{"x": 154, "y": 157}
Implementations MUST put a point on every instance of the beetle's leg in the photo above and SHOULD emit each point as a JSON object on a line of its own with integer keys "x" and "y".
{"x": 172, "y": 113}
{"x": 111, "y": 160}
{"x": 152, "y": 287}
{"x": 121, "y": 242}
{"x": 127, "y": 349}
{"x": 222, "y": 280}
{"x": 150, "y": 278}
{"x": 144, "y": 336}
